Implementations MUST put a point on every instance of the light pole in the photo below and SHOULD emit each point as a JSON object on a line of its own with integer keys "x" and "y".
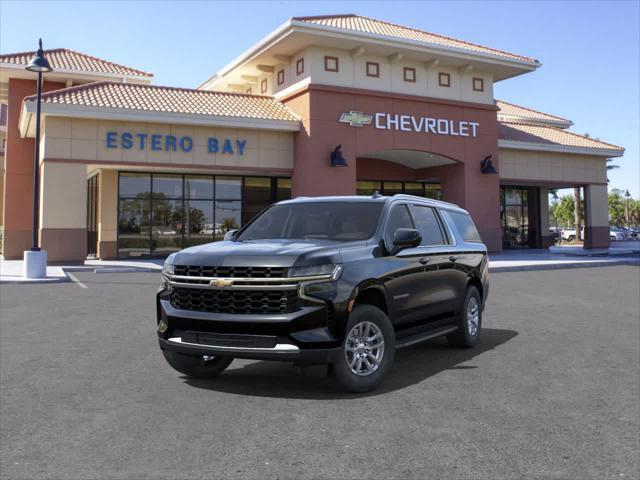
{"x": 35, "y": 260}
{"x": 626, "y": 208}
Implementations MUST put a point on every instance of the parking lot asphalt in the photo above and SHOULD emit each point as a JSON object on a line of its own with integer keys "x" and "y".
{"x": 551, "y": 391}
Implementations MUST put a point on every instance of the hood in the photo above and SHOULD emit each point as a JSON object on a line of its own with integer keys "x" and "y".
{"x": 268, "y": 253}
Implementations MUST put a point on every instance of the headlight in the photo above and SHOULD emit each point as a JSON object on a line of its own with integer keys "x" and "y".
{"x": 314, "y": 270}
{"x": 169, "y": 269}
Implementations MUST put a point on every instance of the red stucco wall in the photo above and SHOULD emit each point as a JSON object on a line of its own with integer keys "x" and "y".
{"x": 462, "y": 183}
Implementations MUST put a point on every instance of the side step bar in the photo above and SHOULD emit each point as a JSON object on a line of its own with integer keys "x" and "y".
{"x": 423, "y": 336}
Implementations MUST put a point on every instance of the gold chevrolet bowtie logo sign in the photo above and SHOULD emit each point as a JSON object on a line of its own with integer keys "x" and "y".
{"x": 221, "y": 282}
{"x": 356, "y": 119}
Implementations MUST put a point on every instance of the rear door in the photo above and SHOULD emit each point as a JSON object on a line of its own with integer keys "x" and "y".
{"x": 439, "y": 295}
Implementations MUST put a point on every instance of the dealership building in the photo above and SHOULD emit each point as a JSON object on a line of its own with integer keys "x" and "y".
{"x": 331, "y": 105}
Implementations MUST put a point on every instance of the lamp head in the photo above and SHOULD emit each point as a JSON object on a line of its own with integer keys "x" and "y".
{"x": 337, "y": 160}
{"x": 39, "y": 62}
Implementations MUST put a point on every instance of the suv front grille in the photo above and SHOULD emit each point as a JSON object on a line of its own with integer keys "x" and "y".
{"x": 231, "y": 272}
{"x": 234, "y": 301}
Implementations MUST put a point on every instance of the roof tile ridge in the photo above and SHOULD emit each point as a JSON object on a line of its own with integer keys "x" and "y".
{"x": 147, "y": 74}
{"x": 449, "y": 38}
{"x": 31, "y": 52}
{"x": 75, "y": 88}
{"x": 533, "y": 110}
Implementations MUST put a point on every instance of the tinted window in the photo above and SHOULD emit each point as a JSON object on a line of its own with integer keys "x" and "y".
{"x": 465, "y": 226}
{"x": 428, "y": 225}
{"x": 398, "y": 218}
{"x": 337, "y": 221}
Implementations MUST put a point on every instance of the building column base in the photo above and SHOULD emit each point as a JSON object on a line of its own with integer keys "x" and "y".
{"x": 65, "y": 244}
{"x": 107, "y": 251}
{"x": 546, "y": 241}
{"x": 597, "y": 237}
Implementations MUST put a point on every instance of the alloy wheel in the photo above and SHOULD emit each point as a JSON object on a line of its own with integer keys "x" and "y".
{"x": 364, "y": 348}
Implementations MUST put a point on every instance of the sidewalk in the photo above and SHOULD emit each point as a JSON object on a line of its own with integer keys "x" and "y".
{"x": 544, "y": 259}
{"x": 11, "y": 270}
{"x": 506, "y": 261}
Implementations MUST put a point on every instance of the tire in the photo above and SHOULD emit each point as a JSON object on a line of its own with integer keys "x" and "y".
{"x": 197, "y": 366}
{"x": 468, "y": 331}
{"x": 571, "y": 238}
{"x": 373, "y": 323}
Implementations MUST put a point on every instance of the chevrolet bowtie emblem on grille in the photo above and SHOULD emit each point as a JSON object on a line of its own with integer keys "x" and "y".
{"x": 221, "y": 282}
{"x": 356, "y": 119}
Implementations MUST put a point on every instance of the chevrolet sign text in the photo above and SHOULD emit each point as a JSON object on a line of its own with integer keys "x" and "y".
{"x": 438, "y": 126}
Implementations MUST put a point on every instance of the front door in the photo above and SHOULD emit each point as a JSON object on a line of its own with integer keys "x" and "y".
{"x": 92, "y": 216}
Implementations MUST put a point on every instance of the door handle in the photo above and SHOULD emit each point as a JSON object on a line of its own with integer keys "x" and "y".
{"x": 424, "y": 260}
{"x": 453, "y": 258}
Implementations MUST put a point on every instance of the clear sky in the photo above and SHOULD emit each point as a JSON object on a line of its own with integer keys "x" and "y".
{"x": 589, "y": 51}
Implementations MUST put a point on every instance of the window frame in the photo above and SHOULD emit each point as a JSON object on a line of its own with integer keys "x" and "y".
{"x": 387, "y": 216}
{"x": 446, "y": 238}
{"x": 327, "y": 59}
{"x": 263, "y": 85}
{"x": 280, "y": 76}
{"x": 377, "y": 67}
{"x": 480, "y": 82}
{"x": 443, "y": 75}
{"x": 407, "y": 70}
{"x": 300, "y": 66}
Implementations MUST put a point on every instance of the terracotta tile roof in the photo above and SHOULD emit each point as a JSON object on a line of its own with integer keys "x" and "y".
{"x": 517, "y": 132}
{"x": 65, "y": 59}
{"x": 370, "y": 25}
{"x": 152, "y": 98}
{"x": 513, "y": 110}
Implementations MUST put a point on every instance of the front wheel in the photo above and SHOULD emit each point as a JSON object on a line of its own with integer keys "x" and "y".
{"x": 197, "y": 366}
{"x": 367, "y": 351}
{"x": 469, "y": 321}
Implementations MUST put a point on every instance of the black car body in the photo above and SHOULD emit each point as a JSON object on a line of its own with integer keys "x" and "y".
{"x": 292, "y": 298}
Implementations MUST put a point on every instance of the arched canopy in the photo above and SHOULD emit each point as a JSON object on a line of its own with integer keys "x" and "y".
{"x": 410, "y": 158}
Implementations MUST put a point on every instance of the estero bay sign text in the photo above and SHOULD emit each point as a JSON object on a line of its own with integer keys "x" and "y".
{"x": 411, "y": 123}
{"x": 171, "y": 143}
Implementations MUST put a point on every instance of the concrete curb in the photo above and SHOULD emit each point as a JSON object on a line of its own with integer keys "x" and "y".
{"x": 562, "y": 266}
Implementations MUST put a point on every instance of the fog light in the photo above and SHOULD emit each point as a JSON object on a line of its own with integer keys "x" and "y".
{"x": 162, "y": 327}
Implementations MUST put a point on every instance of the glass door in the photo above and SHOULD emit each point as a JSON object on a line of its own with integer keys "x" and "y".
{"x": 92, "y": 216}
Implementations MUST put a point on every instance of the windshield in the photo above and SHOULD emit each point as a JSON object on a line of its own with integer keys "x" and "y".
{"x": 337, "y": 221}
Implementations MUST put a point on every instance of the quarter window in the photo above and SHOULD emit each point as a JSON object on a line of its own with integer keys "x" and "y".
{"x": 444, "y": 79}
{"x": 263, "y": 86}
{"x": 428, "y": 225}
{"x": 280, "y": 77}
{"x": 300, "y": 66}
{"x": 465, "y": 226}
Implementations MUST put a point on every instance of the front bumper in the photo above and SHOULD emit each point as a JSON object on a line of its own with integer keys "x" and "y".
{"x": 303, "y": 336}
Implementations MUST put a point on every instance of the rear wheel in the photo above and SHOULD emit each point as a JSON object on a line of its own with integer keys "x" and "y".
{"x": 200, "y": 366}
{"x": 469, "y": 321}
{"x": 367, "y": 351}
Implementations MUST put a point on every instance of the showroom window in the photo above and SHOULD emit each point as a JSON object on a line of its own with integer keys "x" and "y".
{"x": 162, "y": 213}
{"x": 419, "y": 189}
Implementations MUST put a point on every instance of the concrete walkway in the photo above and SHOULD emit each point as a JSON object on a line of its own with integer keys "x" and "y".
{"x": 507, "y": 261}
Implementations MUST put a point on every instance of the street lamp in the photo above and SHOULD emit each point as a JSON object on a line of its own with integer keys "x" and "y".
{"x": 626, "y": 208}
{"x": 35, "y": 260}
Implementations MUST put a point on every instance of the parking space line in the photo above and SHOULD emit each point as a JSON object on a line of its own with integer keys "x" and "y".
{"x": 75, "y": 280}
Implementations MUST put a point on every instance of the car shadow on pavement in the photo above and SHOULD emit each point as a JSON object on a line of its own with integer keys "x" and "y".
{"x": 412, "y": 365}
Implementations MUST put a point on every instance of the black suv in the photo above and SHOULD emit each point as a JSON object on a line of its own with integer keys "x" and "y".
{"x": 338, "y": 280}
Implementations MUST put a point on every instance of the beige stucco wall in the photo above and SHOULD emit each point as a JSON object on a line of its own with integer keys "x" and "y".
{"x": 598, "y": 201}
{"x": 63, "y": 196}
{"x": 108, "y": 206}
{"x": 552, "y": 167}
{"x": 81, "y": 139}
{"x": 352, "y": 73}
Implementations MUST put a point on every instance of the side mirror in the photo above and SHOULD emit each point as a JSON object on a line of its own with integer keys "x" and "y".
{"x": 406, "y": 237}
{"x": 230, "y": 234}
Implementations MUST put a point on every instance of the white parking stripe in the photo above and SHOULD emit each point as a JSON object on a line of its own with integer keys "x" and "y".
{"x": 75, "y": 280}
